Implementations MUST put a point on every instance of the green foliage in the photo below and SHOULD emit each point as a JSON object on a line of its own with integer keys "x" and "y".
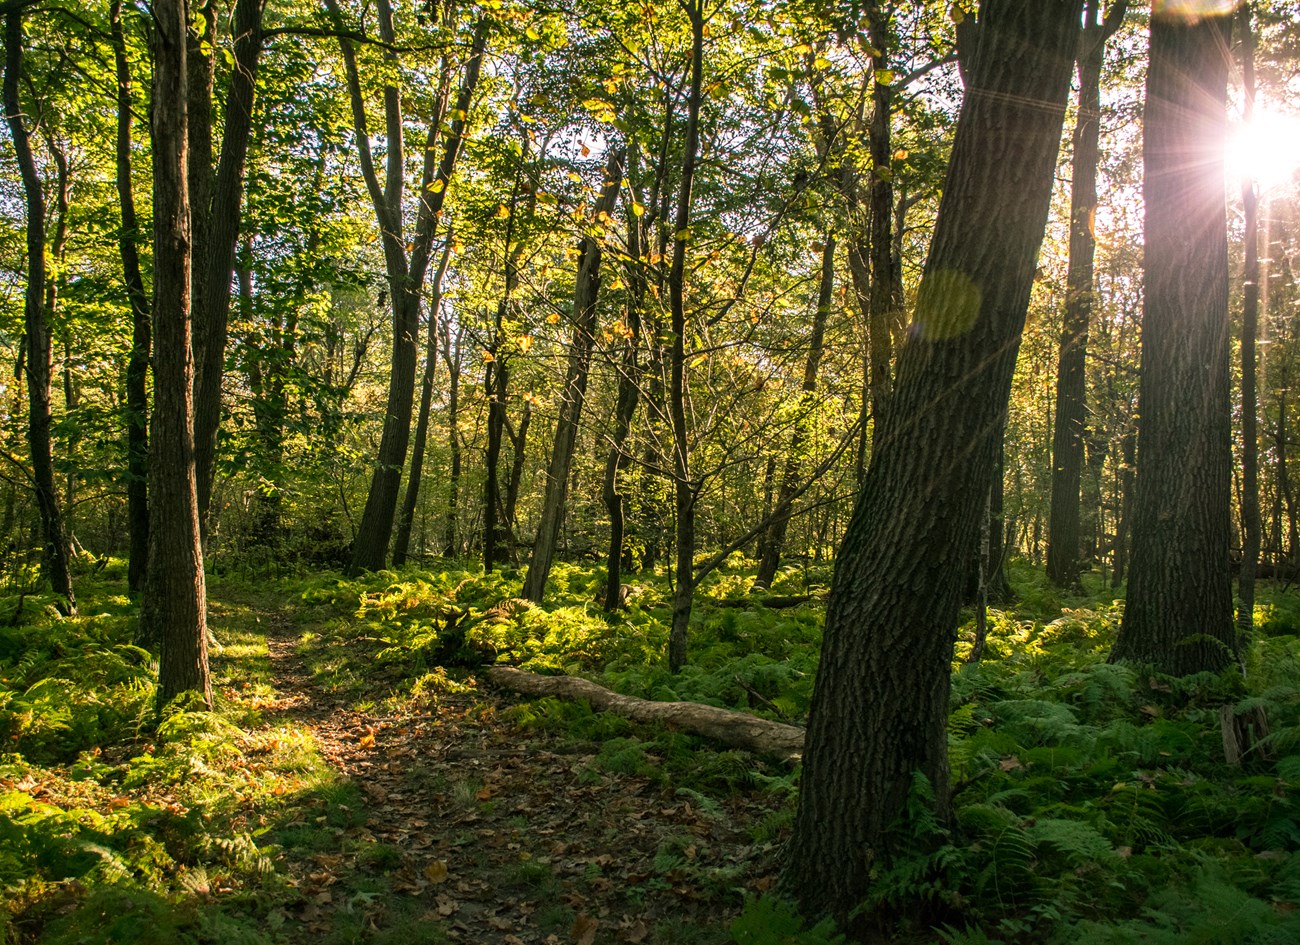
{"x": 771, "y": 921}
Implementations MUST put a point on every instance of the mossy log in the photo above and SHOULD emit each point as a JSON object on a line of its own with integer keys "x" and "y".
{"x": 734, "y": 729}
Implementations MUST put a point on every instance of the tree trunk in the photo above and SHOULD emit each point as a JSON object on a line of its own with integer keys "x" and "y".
{"x": 1250, "y": 515}
{"x": 38, "y": 355}
{"x": 173, "y": 611}
{"x": 402, "y": 544}
{"x": 452, "y": 359}
{"x": 215, "y": 250}
{"x": 1179, "y": 613}
{"x": 881, "y": 204}
{"x": 137, "y": 369}
{"x": 585, "y": 293}
{"x": 683, "y": 488}
{"x": 518, "y": 453}
{"x": 405, "y": 275}
{"x": 880, "y": 708}
{"x": 1064, "y": 539}
{"x": 774, "y": 536}
{"x": 629, "y": 393}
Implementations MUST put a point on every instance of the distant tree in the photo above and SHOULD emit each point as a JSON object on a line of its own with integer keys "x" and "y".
{"x": 880, "y": 709}
{"x": 173, "y": 611}
{"x": 1179, "y": 612}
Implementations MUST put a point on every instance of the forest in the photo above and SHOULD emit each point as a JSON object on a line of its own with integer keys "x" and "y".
{"x": 783, "y": 473}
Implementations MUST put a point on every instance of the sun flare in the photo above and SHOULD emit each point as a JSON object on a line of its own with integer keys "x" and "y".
{"x": 1268, "y": 149}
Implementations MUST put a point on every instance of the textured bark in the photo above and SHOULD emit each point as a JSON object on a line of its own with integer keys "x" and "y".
{"x": 774, "y": 537}
{"x": 880, "y": 707}
{"x": 38, "y": 352}
{"x": 173, "y": 611}
{"x": 1064, "y": 538}
{"x": 215, "y": 255}
{"x": 684, "y": 490}
{"x": 1179, "y": 611}
{"x": 735, "y": 729}
{"x": 586, "y": 291}
{"x": 451, "y": 355}
{"x": 1250, "y": 514}
{"x": 137, "y": 369}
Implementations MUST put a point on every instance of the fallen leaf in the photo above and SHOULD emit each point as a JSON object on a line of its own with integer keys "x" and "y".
{"x": 436, "y": 872}
{"x": 637, "y": 932}
{"x": 584, "y": 930}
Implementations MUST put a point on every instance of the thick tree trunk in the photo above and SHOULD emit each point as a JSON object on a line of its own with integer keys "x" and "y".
{"x": 734, "y": 729}
{"x": 38, "y": 355}
{"x": 173, "y": 612}
{"x": 1064, "y": 539}
{"x": 880, "y": 708}
{"x": 1179, "y": 612}
{"x": 774, "y": 537}
{"x": 586, "y": 291}
{"x": 684, "y": 490}
{"x": 137, "y": 369}
{"x": 215, "y": 254}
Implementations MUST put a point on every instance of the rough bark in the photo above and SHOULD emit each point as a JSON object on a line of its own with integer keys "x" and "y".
{"x": 1064, "y": 539}
{"x": 734, "y": 729}
{"x": 214, "y": 251}
{"x": 38, "y": 352}
{"x": 573, "y": 395}
{"x": 173, "y": 611}
{"x": 774, "y": 537}
{"x": 880, "y": 707}
{"x": 1179, "y": 612}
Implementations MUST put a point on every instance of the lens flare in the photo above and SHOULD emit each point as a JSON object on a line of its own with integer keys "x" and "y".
{"x": 1193, "y": 9}
{"x": 1267, "y": 150}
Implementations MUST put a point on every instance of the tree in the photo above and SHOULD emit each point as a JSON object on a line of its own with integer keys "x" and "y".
{"x": 1179, "y": 612}
{"x": 880, "y": 708}
{"x": 1071, "y": 380}
{"x": 38, "y": 354}
{"x": 173, "y": 612}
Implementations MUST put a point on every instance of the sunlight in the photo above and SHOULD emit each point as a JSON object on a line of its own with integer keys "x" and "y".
{"x": 1268, "y": 149}
{"x": 1193, "y": 9}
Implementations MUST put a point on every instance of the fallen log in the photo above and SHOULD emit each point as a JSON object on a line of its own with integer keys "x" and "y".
{"x": 771, "y": 602}
{"x": 734, "y": 729}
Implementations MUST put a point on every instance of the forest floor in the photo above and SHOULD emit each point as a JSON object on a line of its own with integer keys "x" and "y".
{"x": 483, "y": 833}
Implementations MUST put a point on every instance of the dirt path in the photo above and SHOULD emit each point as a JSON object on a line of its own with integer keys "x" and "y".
{"x": 473, "y": 832}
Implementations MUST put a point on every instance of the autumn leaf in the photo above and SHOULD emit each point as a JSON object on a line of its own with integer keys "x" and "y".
{"x": 436, "y": 872}
{"x": 367, "y": 740}
{"x": 584, "y": 930}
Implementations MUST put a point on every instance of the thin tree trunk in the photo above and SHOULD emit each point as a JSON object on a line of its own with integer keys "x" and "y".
{"x": 881, "y": 203}
{"x": 173, "y": 612}
{"x": 137, "y": 369}
{"x": 402, "y": 544}
{"x": 629, "y": 391}
{"x": 586, "y": 291}
{"x": 1064, "y": 539}
{"x": 38, "y": 355}
{"x": 518, "y": 451}
{"x": 215, "y": 250}
{"x": 1250, "y": 516}
{"x": 774, "y": 537}
{"x": 452, "y": 360}
{"x": 684, "y": 488}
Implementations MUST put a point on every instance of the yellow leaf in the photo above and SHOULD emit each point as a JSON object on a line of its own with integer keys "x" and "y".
{"x": 822, "y": 63}
{"x": 552, "y": 319}
{"x": 901, "y": 154}
{"x": 638, "y": 209}
{"x": 683, "y": 234}
{"x": 436, "y": 872}
{"x": 488, "y": 357}
{"x": 532, "y": 33}
{"x": 576, "y": 178}
{"x": 526, "y": 343}
{"x": 367, "y": 740}
{"x": 437, "y": 186}
{"x": 884, "y": 76}
{"x": 502, "y": 213}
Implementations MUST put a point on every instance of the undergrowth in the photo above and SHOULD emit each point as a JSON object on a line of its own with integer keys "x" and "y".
{"x": 1092, "y": 802}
